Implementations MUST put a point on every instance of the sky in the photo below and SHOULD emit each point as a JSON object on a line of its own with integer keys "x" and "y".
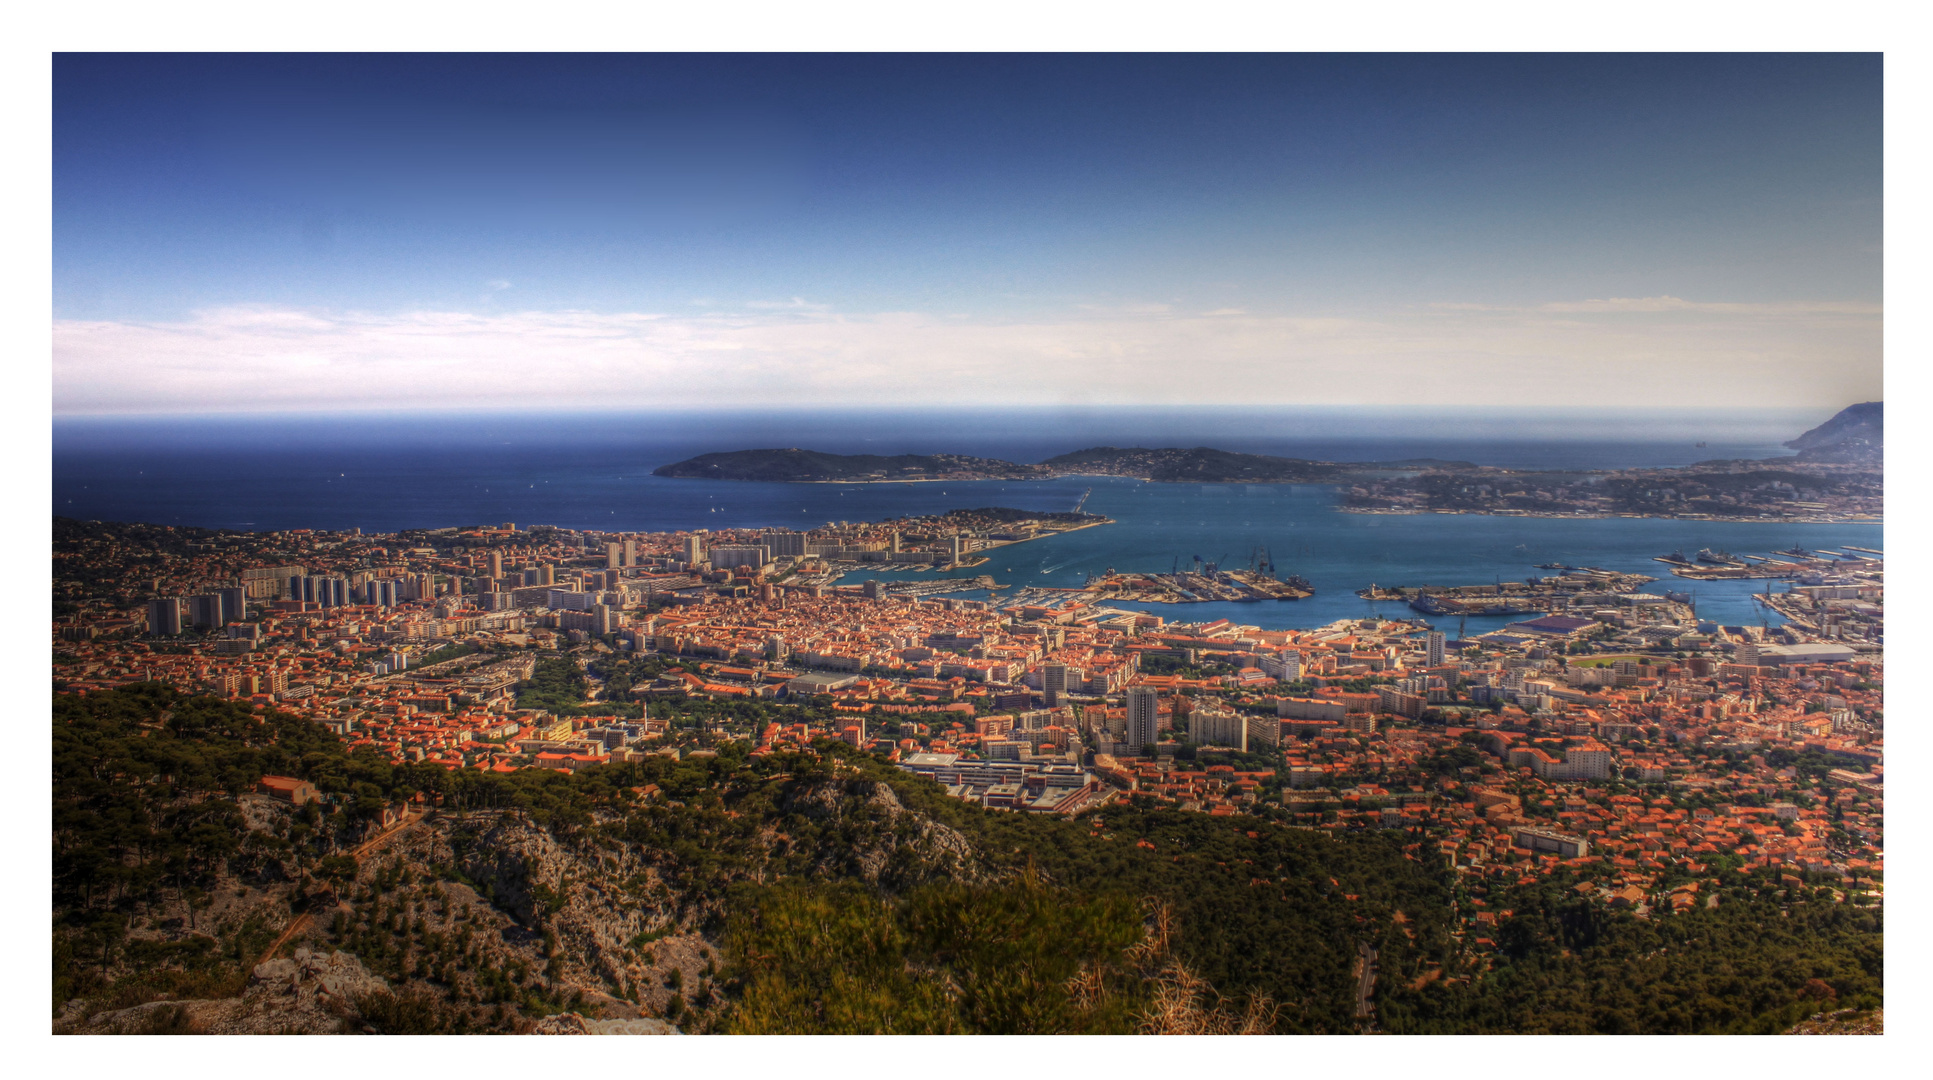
{"x": 330, "y": 233}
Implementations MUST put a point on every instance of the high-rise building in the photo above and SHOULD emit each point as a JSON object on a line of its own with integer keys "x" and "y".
{"x": 205, "y": 611}
{"x": 234, "y": 603}
{"x": 1746, "y": 653}
{"x": 694, "y": 549}
{"x": 956, "y": 547}
{"x": 164, "y": 616}
{"x": 496, "y": 564}
{"x": 753, "y": 555}
{"x": 783, "y": 542}
{"x": 1433, "y": 645}
{"x": 321, "y": 590}
{"x": 613, "y": 554}
{"x": 630, "y": 553}
{"x": 605, "y": 619}
{"x": 1141, "y": 730}
{"x": 1215, "y": 727}
{"x": 1057, "y": 680}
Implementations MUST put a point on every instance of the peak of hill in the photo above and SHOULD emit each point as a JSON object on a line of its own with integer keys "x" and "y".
{"x": 1856, "y": 434}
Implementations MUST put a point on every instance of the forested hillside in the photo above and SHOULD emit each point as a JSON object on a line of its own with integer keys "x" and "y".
{"x": 700, "y": 891}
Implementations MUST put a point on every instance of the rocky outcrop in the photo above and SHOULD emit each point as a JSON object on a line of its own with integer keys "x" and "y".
{"x": 314, "y": 993}
{"x": 580, "y": 899}
{"x": 1842, "y": 1022}
{"x": 901, "y": 848}
{"x": 573, "y": 1024}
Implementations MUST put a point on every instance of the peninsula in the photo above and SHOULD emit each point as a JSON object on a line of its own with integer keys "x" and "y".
{"x": 1837, "y": 475}
{"x": 1199, "y": 465}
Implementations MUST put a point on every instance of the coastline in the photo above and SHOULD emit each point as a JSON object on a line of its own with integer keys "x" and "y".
{"x": 1849, "y": 519}
{"x": 1809, "y": 519}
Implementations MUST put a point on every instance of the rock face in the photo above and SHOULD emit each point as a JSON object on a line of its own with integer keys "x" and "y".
{"x": 580, "y": 896}
{"x": 1842, "y": 1022}
{"x": 900, "y": 838}
{"x": 573, "y": 1024}
{"x": 1857, "y": 435}
{"x": 313, "y": 994}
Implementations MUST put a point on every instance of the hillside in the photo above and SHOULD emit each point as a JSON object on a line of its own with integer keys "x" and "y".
{"x": 698, "y": 892}
{"x": 1856, "y": 434}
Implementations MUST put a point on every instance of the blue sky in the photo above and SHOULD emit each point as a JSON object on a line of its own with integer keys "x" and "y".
{"x": 335, "y": 232}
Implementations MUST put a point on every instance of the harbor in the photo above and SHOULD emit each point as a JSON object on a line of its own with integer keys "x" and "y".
{"x": 1791, "y": 564}
{"x": 1533, "y": 596}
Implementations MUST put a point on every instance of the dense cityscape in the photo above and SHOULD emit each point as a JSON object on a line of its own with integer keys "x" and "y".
{"x": 1616, "y": 742}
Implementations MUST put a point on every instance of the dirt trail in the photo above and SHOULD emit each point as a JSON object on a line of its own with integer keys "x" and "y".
{"x": 305, "y": 920}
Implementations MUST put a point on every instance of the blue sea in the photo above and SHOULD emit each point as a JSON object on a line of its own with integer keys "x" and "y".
{"x": 381, "y": 473}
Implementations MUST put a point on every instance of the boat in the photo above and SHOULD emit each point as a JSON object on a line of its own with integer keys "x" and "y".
{"x": 1796, "y": 552}
{"x": 1720, "y": 558}
{"x": 1677, "y": 557}
{"x": 1552, "y": 566}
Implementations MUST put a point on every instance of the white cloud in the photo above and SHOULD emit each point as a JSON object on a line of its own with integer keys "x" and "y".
{"x": 794, "y": 304}
{"x": 1652, "y": 305}
{"x": 261, "y": 358}
{"x": 496, "y": 285}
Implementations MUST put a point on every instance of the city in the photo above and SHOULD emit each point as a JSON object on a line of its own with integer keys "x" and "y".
{"x": 1628, "y": 742}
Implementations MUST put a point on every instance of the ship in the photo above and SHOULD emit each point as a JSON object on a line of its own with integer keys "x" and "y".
{"x": 1720, "y": 558}
{"x": 1675, "y": 557}
{"x": 1430, "y": 605}
{"x": 1796, "y": 552}
{"x": 1553, "y": 566}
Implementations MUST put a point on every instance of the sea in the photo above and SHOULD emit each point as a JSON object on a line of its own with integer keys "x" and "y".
{"x": 592, "y": 470}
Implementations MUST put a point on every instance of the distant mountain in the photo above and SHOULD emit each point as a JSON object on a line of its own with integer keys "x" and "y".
{"x": 795, "y": 466}
{"x": 1857, "y": 434}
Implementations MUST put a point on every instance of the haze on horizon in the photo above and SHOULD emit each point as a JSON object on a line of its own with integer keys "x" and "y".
{"x": 317, "y": 233}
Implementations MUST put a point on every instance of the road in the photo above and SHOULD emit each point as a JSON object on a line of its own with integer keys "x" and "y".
{"x": 1365, "y": 980}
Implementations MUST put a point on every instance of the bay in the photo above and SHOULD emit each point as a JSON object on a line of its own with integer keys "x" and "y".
{"x": 382, "y": 474}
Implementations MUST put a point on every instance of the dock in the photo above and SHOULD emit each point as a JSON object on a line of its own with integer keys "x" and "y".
{"x": 1186, "y": 587}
